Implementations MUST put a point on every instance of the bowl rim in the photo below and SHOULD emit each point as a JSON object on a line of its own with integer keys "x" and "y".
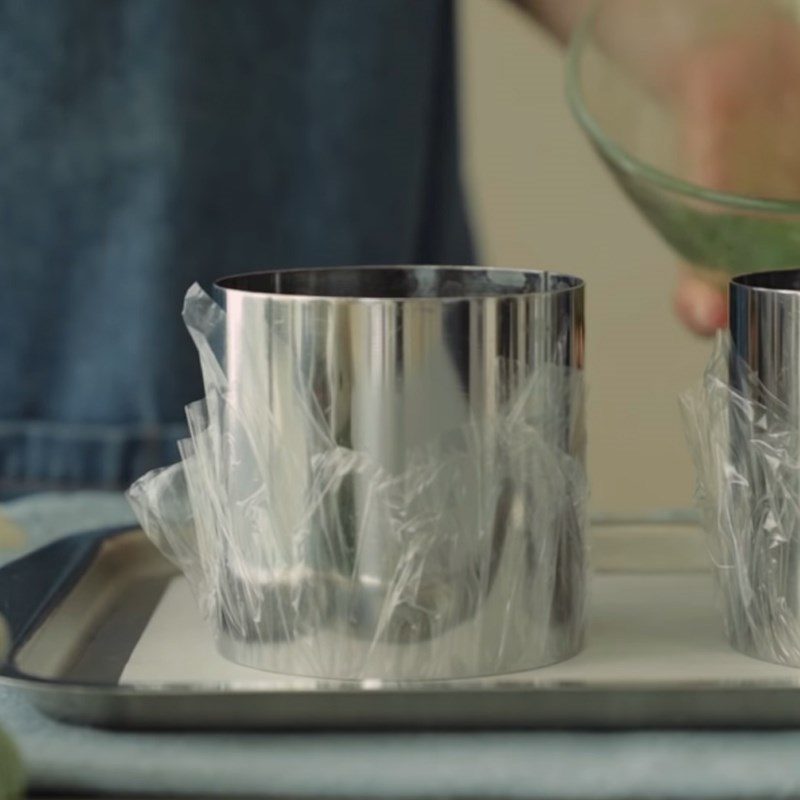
{"x": 619, "y": 156}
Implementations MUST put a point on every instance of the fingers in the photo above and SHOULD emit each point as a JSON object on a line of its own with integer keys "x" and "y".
{"x": 701, "y": 306}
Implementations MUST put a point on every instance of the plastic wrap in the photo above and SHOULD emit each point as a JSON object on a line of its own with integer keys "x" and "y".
{"x": 745, "y": 443}
{"x": 468, "y": 561}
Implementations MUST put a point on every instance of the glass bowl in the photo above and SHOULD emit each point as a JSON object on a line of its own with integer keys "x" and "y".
{"x": 695, "y": 107}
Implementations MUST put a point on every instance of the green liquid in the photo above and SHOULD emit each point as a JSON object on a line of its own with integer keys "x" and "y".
{"x": 720, "y": 241}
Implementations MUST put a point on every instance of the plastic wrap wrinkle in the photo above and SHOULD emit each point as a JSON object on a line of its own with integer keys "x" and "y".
{"x": 481, "y": 552}
{"x": 748, "y": 490}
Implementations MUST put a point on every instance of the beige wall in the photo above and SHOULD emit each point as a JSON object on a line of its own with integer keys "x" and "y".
{"x": 541, "y": 198}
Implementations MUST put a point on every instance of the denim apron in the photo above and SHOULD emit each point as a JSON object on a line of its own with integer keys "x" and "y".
{"x": 148, "y": 144}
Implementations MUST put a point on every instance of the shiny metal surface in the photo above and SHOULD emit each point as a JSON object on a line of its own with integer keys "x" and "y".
{"x": 649, "y": 663}
{"x": 415, "y": 369}
{"x": 764, "y": 603}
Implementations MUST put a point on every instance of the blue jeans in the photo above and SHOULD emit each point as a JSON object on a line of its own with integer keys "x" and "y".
{"x": 148, "y": 144}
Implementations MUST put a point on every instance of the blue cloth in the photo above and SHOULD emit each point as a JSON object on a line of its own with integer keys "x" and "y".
{"x": 530, "y": 764}
{"x": 567, "y": 765}
{"x": 148, "y": 144}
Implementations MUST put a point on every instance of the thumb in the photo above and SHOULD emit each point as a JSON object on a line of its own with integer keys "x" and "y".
{"x": 700, "y": 305}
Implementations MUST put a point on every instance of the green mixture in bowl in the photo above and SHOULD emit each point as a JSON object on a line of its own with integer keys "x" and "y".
{"x": 719, "y": 240}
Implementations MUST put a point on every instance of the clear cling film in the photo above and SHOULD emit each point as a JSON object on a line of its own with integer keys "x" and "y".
{"x": 350, "y": 523}
{"x": 745, "y": 443}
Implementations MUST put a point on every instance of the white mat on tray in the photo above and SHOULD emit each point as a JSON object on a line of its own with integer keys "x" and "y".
{"x": 642, "y": 629}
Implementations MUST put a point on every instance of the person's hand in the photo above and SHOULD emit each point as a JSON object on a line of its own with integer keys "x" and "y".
{"x": 738, "y": 103}
{"x": 700, "y": 304}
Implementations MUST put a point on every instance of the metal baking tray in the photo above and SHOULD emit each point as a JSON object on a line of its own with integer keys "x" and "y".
{"x": 104, "y": 632}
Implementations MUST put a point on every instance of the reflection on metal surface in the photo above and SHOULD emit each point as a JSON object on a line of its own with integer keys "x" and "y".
{"x": 762, "y": 589}
{"x": 387, "y": 475}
